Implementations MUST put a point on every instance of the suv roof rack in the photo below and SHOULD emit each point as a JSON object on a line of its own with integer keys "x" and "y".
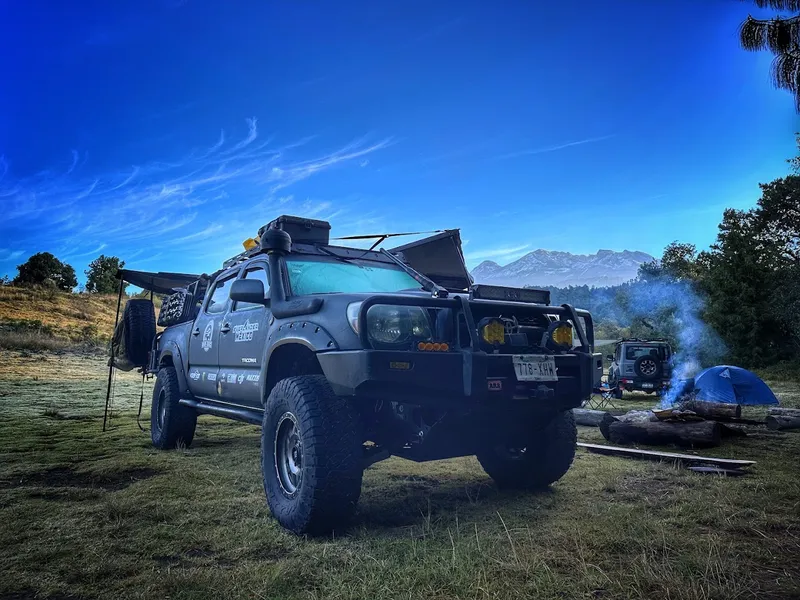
{"x": 639, "y": 340}
{"x": 241, "y": 257}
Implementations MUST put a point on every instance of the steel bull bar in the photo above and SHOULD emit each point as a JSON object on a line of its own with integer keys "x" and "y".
{"x": 473, "y": 358}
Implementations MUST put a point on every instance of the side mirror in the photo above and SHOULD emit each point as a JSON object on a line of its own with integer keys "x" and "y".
{"x": 610, "y": 357}
{"x": 248, "y": 290}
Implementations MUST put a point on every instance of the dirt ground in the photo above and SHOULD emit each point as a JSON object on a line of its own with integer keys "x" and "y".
{"x": 87, "y": 514}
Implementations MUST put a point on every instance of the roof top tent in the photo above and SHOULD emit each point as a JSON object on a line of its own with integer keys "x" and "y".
{"x": 439, "y": 258}
{"x": 158, "y": 283}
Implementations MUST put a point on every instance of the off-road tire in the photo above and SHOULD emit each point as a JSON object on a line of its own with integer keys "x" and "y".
{"x": 546, "y": 458}
{"x": 645, "y": 361}
{"x": 331, "y": 469}
{"x": 140, "y": 329}
{"x": 175, "y": 427}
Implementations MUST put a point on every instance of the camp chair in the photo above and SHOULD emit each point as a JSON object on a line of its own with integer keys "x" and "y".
{"x": 602, "y": 397}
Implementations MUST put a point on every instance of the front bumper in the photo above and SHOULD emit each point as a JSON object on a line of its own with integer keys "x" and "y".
{"x": 454, "y": 378}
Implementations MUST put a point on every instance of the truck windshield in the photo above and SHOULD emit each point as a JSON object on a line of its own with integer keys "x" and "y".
{"x": 325, "y": 276}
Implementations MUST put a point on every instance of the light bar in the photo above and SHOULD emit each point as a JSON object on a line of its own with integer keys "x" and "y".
{"x": 509, "y": 294}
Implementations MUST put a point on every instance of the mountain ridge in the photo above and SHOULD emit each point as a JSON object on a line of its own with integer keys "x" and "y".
{"x": 558, "y": 268}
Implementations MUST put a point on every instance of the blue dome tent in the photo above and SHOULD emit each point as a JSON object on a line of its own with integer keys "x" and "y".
{"x": 732, "y": 385}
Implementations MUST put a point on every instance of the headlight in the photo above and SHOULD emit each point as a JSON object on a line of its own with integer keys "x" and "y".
{"x": 387, "y": 324}
{"x": 559, "y": 335}
{"x": 494, "y": 332}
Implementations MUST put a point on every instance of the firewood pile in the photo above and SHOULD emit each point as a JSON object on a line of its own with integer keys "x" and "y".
{"x": 689, "y": 424}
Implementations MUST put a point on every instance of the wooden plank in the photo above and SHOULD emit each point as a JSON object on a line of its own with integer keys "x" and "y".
{"x": 654, "y": 455}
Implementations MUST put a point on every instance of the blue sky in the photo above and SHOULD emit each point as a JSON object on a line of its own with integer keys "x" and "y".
{"x": 167, "y": 131}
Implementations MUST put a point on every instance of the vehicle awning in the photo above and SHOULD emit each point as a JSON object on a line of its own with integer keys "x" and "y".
{"x": 159, "y": 283}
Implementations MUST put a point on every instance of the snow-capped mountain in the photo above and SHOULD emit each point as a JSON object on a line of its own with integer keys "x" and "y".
{"x": 545, "y": 267}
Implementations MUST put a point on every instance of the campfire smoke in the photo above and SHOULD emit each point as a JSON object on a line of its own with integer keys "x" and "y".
{"x": 676, "y": 310}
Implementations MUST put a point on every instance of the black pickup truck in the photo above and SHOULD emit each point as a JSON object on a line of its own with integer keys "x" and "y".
{"x": 346, "y": 356}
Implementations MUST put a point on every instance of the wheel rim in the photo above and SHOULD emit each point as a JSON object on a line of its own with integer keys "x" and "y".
{"x": 288, "y": 454}
{"x": 162, "y": 409}
{"x": 648, "y": 367}
{"x": 512, "y": 454}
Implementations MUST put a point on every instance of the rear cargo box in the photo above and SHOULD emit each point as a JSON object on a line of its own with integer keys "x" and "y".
{"x": 303, "y": 231}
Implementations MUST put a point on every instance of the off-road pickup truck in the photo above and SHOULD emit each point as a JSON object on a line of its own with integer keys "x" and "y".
{"x": 346, "y": 356}
{"x": 640, "y": 365}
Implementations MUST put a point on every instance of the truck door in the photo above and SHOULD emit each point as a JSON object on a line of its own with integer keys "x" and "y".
{"x": 204, "y": 344}
{"x": 241, "y": 346}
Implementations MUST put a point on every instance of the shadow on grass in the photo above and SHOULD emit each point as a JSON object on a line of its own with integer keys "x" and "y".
{"x": 423, "y": 501}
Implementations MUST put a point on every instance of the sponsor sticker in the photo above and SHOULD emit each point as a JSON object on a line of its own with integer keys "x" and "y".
{"x": 495, "y": 385}
{"x": 207, "y": 342}
{"x": 253, "y": 377}
{"x": 244, "y": 332}
{"x": 249, "y": 360}
{"x": 212, "y": 376}
{"x": 195, "y": 375}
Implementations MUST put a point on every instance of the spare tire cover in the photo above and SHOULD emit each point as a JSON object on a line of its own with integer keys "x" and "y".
{"x": 140, "y": 329}
{"x": 648, "y": 367}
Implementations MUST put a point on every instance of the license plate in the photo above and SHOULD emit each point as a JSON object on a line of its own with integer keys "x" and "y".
{"x": 534, "y": 367}
{"x": 647, "y": 386}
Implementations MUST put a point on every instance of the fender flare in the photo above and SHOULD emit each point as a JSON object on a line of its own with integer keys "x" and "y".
{"x": 172, "y": 350}
{"x": 303, "y": 333}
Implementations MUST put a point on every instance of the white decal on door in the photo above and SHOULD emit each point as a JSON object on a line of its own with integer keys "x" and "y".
{"x": 231, "y": 378}
{"x": 207, "y": 335}
{"x": 195, "y": 375}
{"x": 254, "y": 378}
{"x": 249, "y": 360}
{"x": 212, "y": 376}
{"x": 244, "y": 332}
{"x": 240, "y": 379}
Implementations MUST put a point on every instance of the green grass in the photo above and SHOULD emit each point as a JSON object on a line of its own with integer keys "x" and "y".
{"x": 103, "y": 515}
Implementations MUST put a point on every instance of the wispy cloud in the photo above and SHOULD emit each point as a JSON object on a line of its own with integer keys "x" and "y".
{"x": 546, "y": 149}
{"x": 287, "y": 176}
{"x": 191, "y": 201}
{"x": 7, "y": 254}
{"x": 503, "y": 252}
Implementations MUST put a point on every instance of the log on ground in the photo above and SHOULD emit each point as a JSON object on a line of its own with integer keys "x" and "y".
{"x": 608, "y": 419}
{"x": 713, "y": 410}
{"x": 784, "y": 412}
{"x": 585, "y": 416}
{"x": 703, "y": 434}
{"x": 775, "y": 422}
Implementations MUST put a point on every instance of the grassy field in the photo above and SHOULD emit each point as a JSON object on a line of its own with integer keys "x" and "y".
{"x": 87, "y": 514}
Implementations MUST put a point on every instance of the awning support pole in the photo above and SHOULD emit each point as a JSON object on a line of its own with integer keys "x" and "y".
{"x": 111, "y": 360}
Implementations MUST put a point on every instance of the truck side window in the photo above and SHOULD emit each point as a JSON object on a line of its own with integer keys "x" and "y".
{"x": 219, "y": 297}
{"x": 255, "y": 273}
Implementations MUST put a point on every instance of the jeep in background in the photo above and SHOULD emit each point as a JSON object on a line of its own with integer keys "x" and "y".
{"x": 346, "y": 356}
{"x": 640, "y": 365}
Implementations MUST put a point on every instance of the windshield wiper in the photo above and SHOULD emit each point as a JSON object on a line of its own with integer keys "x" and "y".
{"x": 427, "y": 284}
{"x": 334, "y": 255}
